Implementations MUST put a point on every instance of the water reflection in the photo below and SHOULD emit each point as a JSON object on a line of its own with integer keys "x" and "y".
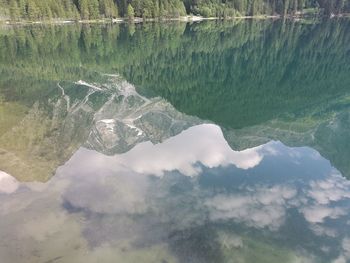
{"x": 94, "y": 171}
{"x": 8, "y": 184}
{"x": 259, "y": 80}
{"x": 98, "y": 206}
{"x": 152, "y": 184}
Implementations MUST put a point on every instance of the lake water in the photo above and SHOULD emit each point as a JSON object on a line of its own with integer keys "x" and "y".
{"x": 174, "y": 142}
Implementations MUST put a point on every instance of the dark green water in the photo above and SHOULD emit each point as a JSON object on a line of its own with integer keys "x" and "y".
{"x": 204, "y": 142}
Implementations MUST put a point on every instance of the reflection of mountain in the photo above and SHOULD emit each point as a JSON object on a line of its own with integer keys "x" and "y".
{"x": 326, "y": 130}
{"x": 258, "y": 80}
{"x": 45, "y": 136}
{"x": 288, "y": 83}
{"x": 128, "y": 118}
{"x": 110, "y": 118}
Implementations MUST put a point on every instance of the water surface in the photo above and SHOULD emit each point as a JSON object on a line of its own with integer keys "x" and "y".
{"x": 175, "y": 142}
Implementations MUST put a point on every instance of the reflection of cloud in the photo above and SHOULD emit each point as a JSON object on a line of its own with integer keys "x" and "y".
{"x": 322, "y": 196}
{"x": 261, "y": 207}
{"x": 203, "y": 144}
{"x": 344, "y": 257}
{"x": 43, "y": 226}
{"x": 122, "y": 193}
{"x": 113, "y": 185}
{"x": 321, "y": 230}
{"x": 230, "y": 241}
{"x": 317, "y": 213}
{"x": 329, "y": 190}
{"x": 8, "y": 184}
{"x": 346, "y": 247}
{"x": 122, "y": 253}
{"x": 120, "y": 204}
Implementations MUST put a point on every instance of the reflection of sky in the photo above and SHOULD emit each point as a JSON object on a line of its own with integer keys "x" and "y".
{"x": 8, "y": 184}
{"x": 192, "y": 188}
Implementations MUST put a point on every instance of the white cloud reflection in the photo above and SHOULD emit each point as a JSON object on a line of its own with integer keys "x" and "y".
{"x": 117, "y": 200}
{"x": 322, "y": 197}
{"x": 321, "y": 230}
{"x": 331, "y": 189}
{"x": 257, "y": 206}
{"x": 112, "y": 184}
{"x": 260, "y": 207}
{"x": 318, "y": 213}
{"x": 120, "y": 194}
{"x": 344, "y": 257}
{"x": 203, "y": 144}
{"x": 8, "y": 184}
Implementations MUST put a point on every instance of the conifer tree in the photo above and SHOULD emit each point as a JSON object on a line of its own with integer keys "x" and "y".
{"x": 93, "y": 9}
{"x": 14, "y": 11}
{"x": 131, "y": 12}
{"x": 33, "y": 10}
{"x": 84, "y": 9}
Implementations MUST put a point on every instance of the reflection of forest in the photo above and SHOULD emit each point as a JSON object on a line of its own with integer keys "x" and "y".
{"x": 259, "y": 80}
{"x": 256, "y": 69}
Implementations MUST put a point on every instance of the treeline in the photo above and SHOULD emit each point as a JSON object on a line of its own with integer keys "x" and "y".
{"x": 65, "y": 9}
{"x": 98, "y": 9}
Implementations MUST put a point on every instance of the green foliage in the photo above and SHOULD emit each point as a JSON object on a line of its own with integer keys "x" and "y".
{"x": 33, "y": 10}
{"x": 84, "y": 9}
{"x": 64, "y": 9}
{"x": 131, "y": 12}
{"x": 14, "y": 10}
{"x": 108, "y": 8}
{"x": 95, "y": 9}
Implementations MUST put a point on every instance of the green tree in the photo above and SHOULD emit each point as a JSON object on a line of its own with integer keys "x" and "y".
{"x": 22, "y": 9}
{"x": 93, "y": 9}
{"x": 33, "y": 10}
{"x": 131, "y": 12}
{"x": 137, "y": 5}
{"x": 14, "y": 11}
{"x": 108, "y": 8}
{"x": 84, "y": 9}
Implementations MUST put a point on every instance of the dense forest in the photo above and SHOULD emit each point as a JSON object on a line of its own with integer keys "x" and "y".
{"x": 97, "y": 9}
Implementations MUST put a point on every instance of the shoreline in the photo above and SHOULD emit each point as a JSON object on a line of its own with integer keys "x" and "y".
{"x": 134, "y": 20}
{"x": 141, "y": 20}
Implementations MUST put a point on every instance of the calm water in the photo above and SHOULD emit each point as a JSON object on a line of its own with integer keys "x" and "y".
{"x": 210, "y": 142}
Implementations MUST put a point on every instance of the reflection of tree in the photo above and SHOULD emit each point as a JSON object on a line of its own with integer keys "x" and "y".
{"x": 252, "y": 72}
{"x": 257, "y": 65}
